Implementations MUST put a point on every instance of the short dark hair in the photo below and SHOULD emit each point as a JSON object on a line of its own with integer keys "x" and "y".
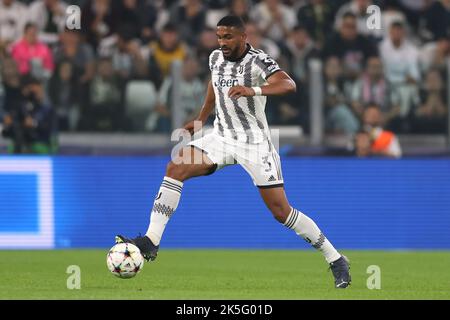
{"x": 348, "y": 14}
{"x": 169, "y": 27}
{"x": 126, "y": 33}
{"x": 300, "y": 27}
{"x": 232, "y": 21}
{"x": 398, "y": 24}
{"x": 372, "y": 105}
{"x": 29, "y": 25}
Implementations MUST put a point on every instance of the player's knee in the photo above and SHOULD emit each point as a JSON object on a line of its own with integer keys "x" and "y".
{"x": 176, "y": 171}
{"x": 279, "y": 211}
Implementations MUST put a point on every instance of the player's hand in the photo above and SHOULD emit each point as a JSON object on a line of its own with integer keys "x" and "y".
{"x": 193, "y": 126}
{"x": 240, "y": 91}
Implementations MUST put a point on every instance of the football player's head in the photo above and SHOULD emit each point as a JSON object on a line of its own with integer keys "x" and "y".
{"x": 231, "y": 36}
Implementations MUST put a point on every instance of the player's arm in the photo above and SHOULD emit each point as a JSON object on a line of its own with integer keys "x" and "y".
{"x": 207, "y": 108}
{"x": 279, "y": 83}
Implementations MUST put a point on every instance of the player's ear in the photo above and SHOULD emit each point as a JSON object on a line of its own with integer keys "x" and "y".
{"x": 244, "y": 35}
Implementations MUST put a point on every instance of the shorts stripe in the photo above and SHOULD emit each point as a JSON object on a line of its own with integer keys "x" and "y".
{"x": 276, "y": 166}
{"x": 279, "y": 166}
{"x": 270, "y": 186}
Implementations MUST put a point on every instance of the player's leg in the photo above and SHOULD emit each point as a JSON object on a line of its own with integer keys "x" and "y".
{"x": 168, "y": 196}
{"x": 265, "y": 170}
{"x": 166, "y": 202}
{"x": 276, "y": 200}
{"x": 277, "y": 203}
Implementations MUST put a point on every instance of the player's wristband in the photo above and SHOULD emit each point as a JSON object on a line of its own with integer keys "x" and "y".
{"x": 258, "y": 91}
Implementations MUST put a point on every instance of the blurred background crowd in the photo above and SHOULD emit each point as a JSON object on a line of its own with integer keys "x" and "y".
{"x": 115, "y": 74}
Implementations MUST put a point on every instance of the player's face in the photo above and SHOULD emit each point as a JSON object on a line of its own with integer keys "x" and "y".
{"x": 231, "y": 40}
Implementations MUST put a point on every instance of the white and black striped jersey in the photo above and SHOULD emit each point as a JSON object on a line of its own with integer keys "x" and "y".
{"x": 243, "y": 119}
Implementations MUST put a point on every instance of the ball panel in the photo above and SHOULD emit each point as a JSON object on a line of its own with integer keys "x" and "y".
{"x": 124, "y": 260}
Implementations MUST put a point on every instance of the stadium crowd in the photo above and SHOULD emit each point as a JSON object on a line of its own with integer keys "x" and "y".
{"x": 114, "y": 74}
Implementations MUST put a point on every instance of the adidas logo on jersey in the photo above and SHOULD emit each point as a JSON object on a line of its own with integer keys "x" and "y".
{"x": 272, "y": 178}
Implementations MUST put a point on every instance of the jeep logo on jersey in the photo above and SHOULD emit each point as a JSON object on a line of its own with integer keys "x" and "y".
{"x": 222, "y": 82}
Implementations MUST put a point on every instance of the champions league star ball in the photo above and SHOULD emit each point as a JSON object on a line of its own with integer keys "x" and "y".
{"x": 125, "y": 260}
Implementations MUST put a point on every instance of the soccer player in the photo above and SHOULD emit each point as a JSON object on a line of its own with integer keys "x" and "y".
{"x": 241, "y": 78}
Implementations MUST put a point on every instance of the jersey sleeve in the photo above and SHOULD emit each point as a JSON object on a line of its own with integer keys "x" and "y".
{"x": 267, "y": 66}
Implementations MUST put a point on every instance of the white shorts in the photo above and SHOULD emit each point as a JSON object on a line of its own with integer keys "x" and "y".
{"x": 261, "y": 161}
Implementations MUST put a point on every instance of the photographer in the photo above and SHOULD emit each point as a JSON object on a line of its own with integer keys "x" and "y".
{"x": 29, "y": 122}
{"x": 372, "y": 140}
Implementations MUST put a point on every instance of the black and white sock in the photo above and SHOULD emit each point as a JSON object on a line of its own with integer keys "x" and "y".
{"x": 165, "y": 204}
{"x": 308, "y": 230}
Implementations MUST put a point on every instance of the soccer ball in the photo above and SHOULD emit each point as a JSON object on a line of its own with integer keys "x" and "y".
{"x": 125, "y": 260}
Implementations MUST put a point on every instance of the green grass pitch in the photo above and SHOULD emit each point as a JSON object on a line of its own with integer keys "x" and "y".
{"x": 225, "y": 274}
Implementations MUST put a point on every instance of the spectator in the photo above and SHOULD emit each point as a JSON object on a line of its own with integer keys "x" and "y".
{"x": 98, "y": 21}
{"x": 373, "y": 87}
{"x": 127, "y": 57}
{"x": 165, "y": 50}
{"x": 190, "y": 19}
{"x": 30, "y": 124}
{"x": 274, "y": 19}
{"x": 350, "y": 47}
{"x": 12, "y": 21}
{"x": 359, "y": 9}
{"x": 33, "y": 56}
{"x": 383, "y": 143}
{"x": 216, "y": 9}
{"x": 413, "y": 10}
{"x": 257, "y": 41}
{"x": 240, "y": 8}
{"x": 162, "y": 12}
{"x": 290, "y": 109}
{"x": 50, "y": 18}
{"x": 11, "y": 85}
{"x": 80, "y": 55}
{"x": 317, "y": 17}
{"x": 192, "y": 91}
{"x": 2, "y": 90}
{"x": 139, "y": 16}
{"x": 339, "y": 118}
{"x": 431, "y": 115}
{"x": 65, "y": 96}
{"x": 362, "y": 144}
{"x": 207, "y": 44}
{"x": 105, "y": 112}
{"x": 400, "y": 60}
{"x": 300, "y": 49}
{"x": 400, "y": 56}
{"x": 435, "y": 54}
{"x": 391, "y": 14}
{"x": 437, "y": 19}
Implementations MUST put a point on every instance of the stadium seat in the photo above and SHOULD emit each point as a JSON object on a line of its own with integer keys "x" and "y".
{"x": 140, "y": 100}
